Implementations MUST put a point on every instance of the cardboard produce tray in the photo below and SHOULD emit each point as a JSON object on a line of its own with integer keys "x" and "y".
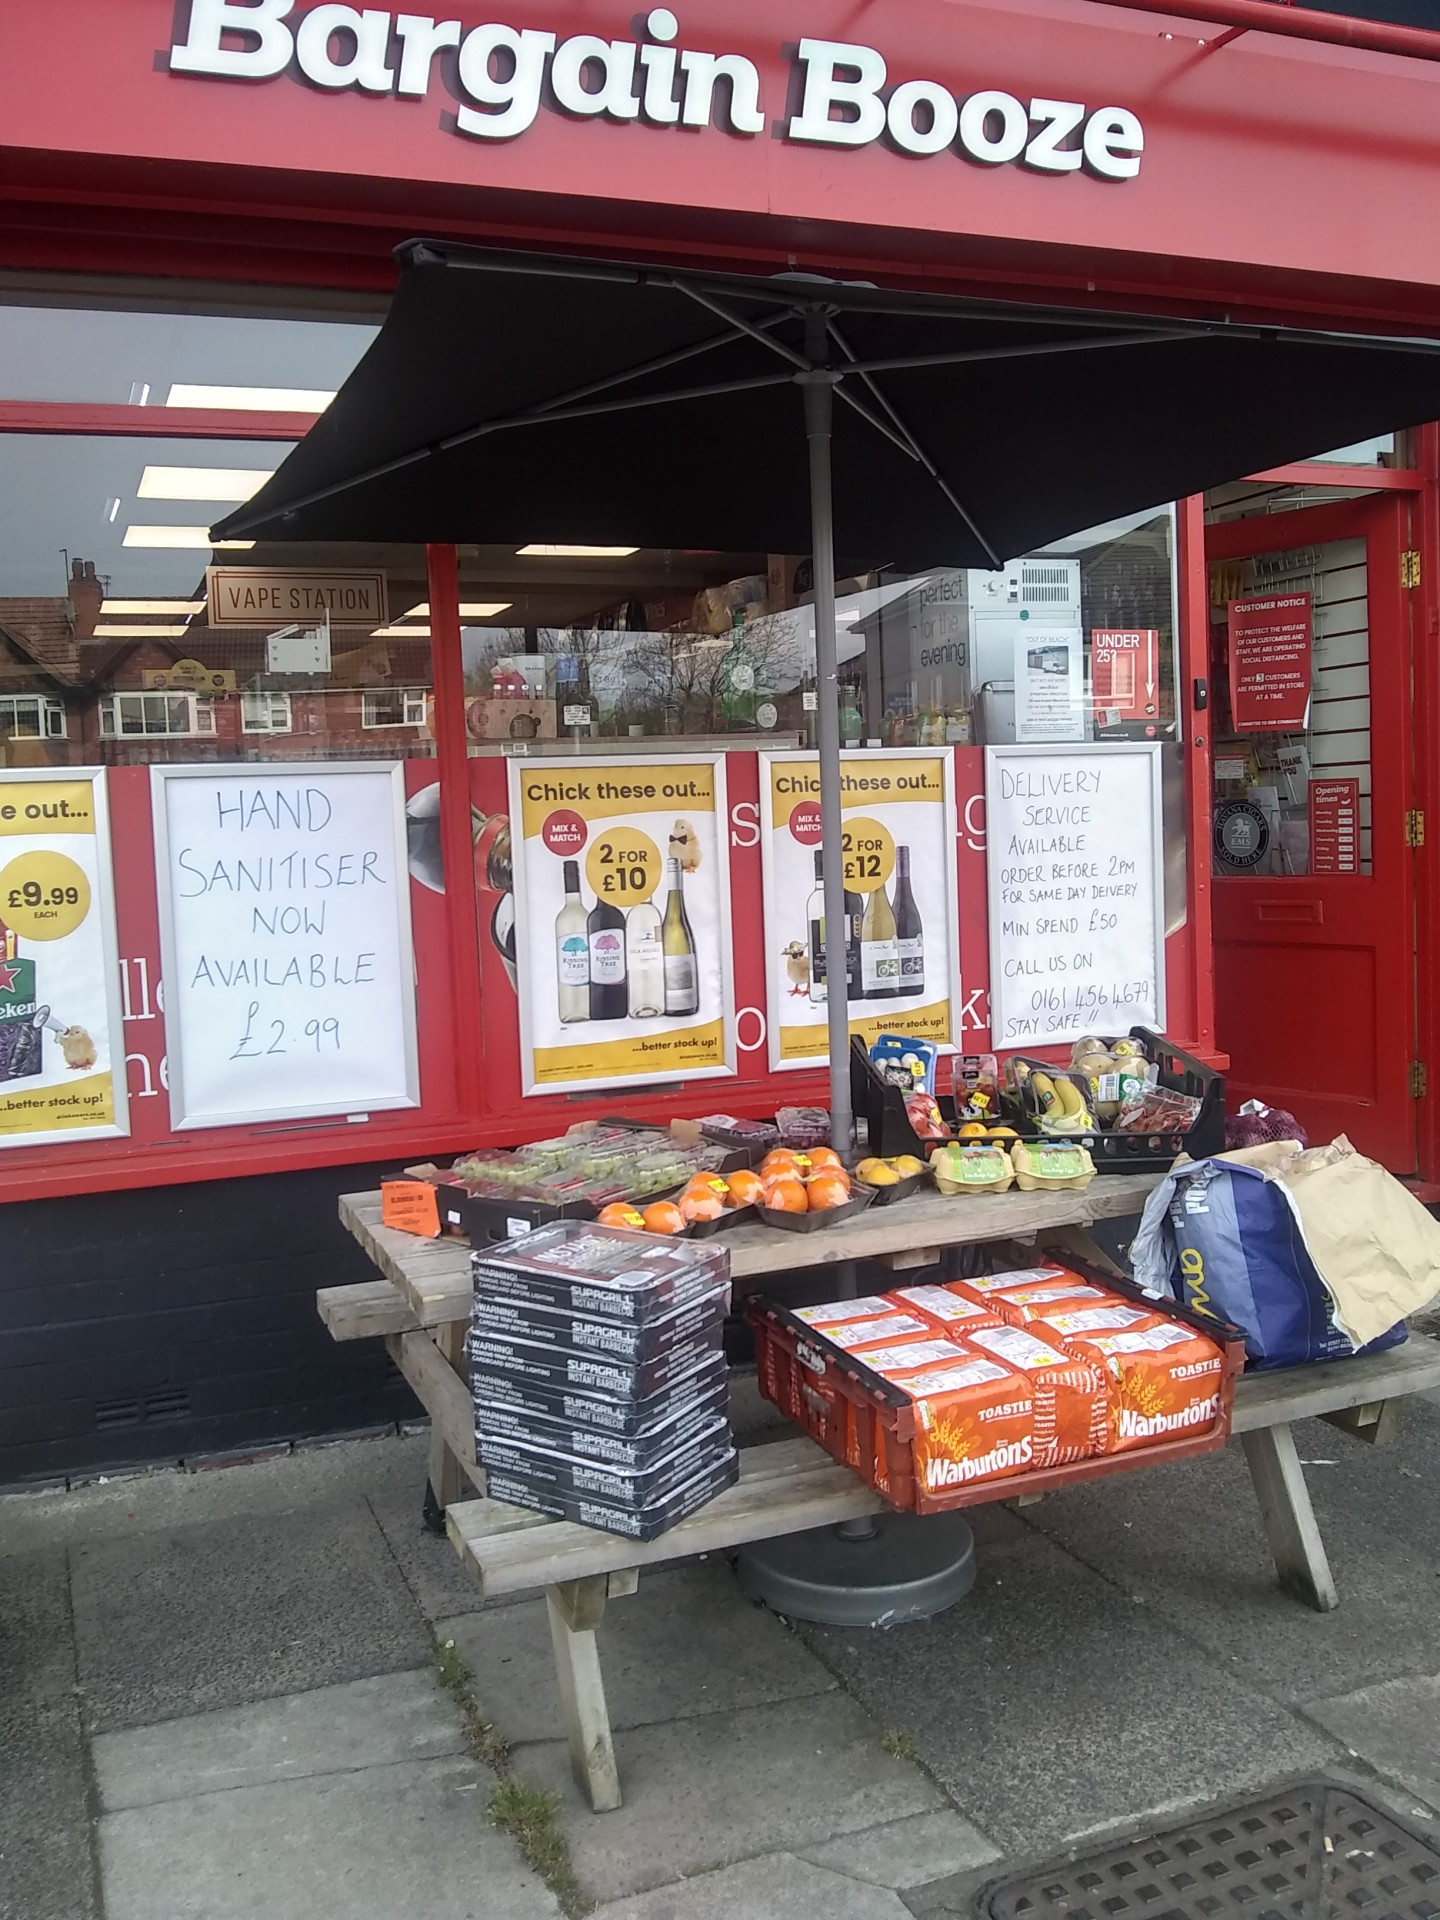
{"x": 869, "y": 1425}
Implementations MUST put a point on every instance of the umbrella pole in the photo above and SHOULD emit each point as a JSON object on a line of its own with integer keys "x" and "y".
{"x": 819, "y": 387}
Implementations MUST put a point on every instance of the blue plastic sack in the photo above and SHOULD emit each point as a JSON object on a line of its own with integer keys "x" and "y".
{"x": 1227, "y": 1242}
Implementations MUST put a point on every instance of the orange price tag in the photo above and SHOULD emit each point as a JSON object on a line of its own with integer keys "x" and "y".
{"x": 410, "y": 1206}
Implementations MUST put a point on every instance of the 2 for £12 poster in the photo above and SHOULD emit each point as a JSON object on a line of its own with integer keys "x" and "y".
{"x": 622, "y": 922}
{"x": 61, "y": 1071}
{"x": 897, "y": 958}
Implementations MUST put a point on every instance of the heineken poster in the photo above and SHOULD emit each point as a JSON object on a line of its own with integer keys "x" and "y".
{"x": 897, "y": 960}
{"x": 62, "y": 1069}
{"x": 622, "y": 921}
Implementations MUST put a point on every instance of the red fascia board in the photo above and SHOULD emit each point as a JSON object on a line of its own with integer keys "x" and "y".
{"x": 1328, "y": 473}
{"x": 1298, "y": 23}
{"x": 151, "y": 423}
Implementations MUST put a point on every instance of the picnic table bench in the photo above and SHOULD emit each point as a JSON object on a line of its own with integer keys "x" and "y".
{"x": 421, "y": 1307}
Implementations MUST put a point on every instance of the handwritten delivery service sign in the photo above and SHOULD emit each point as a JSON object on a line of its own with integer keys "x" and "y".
{"x": 62, "y": 1072}
{"x": 622, "y": 922}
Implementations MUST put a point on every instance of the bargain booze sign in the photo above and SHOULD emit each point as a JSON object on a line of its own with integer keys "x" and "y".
{"x": 494, "y": 79}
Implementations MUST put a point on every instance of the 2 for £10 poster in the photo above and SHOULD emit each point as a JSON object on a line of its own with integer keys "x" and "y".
{"x": 61, "y": 1070}
{"x": 622, "y": 907}
{"x": 897, "y": 956}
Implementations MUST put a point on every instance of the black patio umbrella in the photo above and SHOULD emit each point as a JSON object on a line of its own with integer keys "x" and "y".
{"x": 519, "y": 397}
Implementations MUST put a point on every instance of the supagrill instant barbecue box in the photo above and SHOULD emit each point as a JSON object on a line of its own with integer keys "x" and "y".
{"x": 1047, "y": 1376}
{"x": 600, "y": 1386}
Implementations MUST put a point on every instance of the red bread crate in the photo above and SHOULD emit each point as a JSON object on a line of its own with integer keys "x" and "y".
{"x": 869, "y": 1425}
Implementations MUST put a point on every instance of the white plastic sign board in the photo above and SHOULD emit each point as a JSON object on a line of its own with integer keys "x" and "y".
{"x": 285, "y": 941}
{"x": 1076, "y": 895}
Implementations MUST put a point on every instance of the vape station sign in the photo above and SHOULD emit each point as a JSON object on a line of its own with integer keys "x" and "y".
{"x": 622, "y": 922}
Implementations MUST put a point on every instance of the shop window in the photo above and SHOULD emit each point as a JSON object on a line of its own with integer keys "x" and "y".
{"x": 1295, "y": 801}
{"x": 265, "y": 712}
{"x": 393, "y": 707}
{"x": 134, "y": 640}
{"x": 154, "y": 715}
{"x": 29, "y": 716}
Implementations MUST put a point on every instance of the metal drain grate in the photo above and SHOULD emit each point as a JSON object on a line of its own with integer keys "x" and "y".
{"x": 1316, "y": 1851}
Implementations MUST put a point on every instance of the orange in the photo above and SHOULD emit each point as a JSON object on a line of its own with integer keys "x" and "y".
{"x": 663, "y": 1216}
{"x": 825, "y": 1160}
{"x": 699, "y": 1205}
{"x": 827, "y": 1190}
{"x": 745, "y": 1188}
{"x": 706, "y": 1183}
{"x": 780, "y": 1160}
{"x": 786, "y": 1194}
{"x": 620, "y": 1213}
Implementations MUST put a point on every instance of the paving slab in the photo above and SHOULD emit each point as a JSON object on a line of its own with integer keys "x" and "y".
{"x": 1049, "y": 1702}
{"x": 405, "y": 1842}
{"x": 1395, "y": 1726}
{"x": 906, "y": 1853}
{"x": 431, "y": 1567}
{"x": 688, "y": 1642}
{"x": 365, "y": 1723}
{"x": 1187, "y": 1538}
{"x": 777, "y": 1887}
{"x": 192, "y": 1619}
{"x": 37, "y": 1645}
{"x": 46, "y": 1867}
{"x": 708, "y": 1791}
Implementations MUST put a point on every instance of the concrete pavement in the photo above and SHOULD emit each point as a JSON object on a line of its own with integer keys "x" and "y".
{"x": 218, "y": 1698}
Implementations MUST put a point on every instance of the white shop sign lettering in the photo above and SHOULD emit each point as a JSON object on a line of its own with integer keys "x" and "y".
{"x": 848, "y": 97}
{"x": 285, "y": 940}
{"x": 1076, "y": 894}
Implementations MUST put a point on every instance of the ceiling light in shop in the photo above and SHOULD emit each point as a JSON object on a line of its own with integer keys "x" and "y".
{"x": 538, "y": 552}
{"x": 251, "y": 399}
{"x": 177, "y": 537}
{"x": 469, "y": 609}
{"x": 201, "y": 483}
{"x": 126, "y": 632}
{"x": 172, "y": 607}
{"x": 400, "y": 633}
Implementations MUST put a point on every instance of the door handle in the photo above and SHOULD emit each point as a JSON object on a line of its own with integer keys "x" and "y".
{"x": 1201, "y": 695}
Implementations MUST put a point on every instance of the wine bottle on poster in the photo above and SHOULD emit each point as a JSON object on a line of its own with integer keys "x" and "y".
{"x": 909, "y": 929}
{"x": 815, "y": 922}
{"x": 644, "y": 961}
{"x": 605, "y": 930}
{"x": 854, "y": 914}
{"x": 682, "y": 974}
{"x": 879, "y": 948}
{"x": 572, "y": 952}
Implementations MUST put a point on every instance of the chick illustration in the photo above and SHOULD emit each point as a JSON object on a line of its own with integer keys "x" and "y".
{"x": 78, "y": 1048}
{"x": 797, "y": 968}
{"x": 684, "y": 846}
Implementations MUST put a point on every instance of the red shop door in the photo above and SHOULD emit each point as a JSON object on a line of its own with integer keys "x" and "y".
{"x": 1313, "y": 916}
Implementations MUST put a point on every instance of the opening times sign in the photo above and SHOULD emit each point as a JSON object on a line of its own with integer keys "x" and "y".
{"x": 1270, "y": 654}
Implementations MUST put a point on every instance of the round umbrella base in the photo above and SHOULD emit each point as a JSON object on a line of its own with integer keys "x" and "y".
{"x": 877, "y": 1572}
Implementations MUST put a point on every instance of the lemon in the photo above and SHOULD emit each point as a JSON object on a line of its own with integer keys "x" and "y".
{"x": 972, "y": 1130}
{"x": 878, "y": 1175}
{"x": 905, "y": 1164}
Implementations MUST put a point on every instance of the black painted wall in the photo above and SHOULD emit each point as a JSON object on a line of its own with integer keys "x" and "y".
{"x": 180, "y": 1321}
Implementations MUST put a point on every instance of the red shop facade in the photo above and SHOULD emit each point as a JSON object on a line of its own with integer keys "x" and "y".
{"x": 199, "y": 204}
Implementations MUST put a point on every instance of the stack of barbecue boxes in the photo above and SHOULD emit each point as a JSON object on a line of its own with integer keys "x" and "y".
{"x": 600, "y": 1383}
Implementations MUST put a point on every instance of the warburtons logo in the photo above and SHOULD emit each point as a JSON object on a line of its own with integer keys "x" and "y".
{"x": 950, "y": 1473}
{"x": 1140, "y": 1426}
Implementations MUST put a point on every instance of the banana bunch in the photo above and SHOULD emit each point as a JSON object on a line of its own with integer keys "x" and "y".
{"x": 1062, "y": 1110}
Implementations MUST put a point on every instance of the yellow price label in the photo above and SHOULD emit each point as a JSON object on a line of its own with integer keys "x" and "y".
{"x": 623, "y": 866}
{"x": 867, "y": 855}
{"x": 43, "y": 895}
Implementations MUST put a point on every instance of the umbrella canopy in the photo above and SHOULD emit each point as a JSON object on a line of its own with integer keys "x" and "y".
{"x": 519, "y": 397}
{"x": 510, "y": 397}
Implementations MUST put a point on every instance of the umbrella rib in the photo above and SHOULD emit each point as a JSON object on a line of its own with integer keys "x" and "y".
{"x": 657, "y": 365}
{"x": 1032, "y": 350}
{"x": 723, "y": 312}
{"x": 907, "y": 439}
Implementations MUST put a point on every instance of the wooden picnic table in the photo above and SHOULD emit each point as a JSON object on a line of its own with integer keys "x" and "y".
{"x": 421, "y": 1307}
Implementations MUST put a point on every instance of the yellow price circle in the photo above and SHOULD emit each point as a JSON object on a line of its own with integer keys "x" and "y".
{"x": 43, "y": 895}
{"x": 623, "y": 866}
{"x": 867, "y": 855}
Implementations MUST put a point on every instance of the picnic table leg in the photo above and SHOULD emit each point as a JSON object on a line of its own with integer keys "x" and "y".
{"x": 1288, "y": 1516}
{"x": 447, "y": 1478}
{"x": 576, "y": 1608}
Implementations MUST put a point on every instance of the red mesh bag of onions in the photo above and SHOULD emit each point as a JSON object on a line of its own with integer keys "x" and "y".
{"x": 1256, "y": 1124}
